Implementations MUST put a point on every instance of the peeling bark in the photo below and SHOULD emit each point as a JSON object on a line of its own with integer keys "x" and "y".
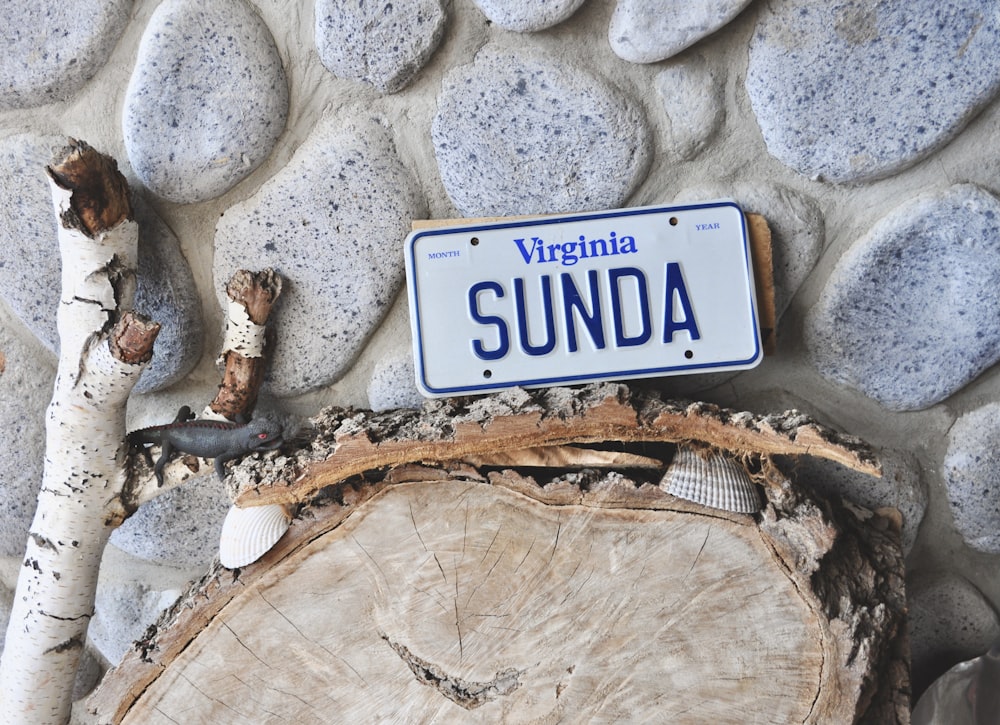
{"x": 348, "y": 442}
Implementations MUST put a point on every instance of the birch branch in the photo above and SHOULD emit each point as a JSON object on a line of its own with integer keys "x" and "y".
{"x": 102, "y": 355}
{"x": 251, "y": 295}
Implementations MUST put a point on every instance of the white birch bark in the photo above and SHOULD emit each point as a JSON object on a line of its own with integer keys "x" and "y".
{"x": 79, "y": 501}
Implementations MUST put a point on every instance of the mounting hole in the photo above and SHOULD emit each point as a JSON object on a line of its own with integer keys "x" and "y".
{"x": 487, "y": 373}
{"x": 688, "y": 354}
{"x": 474, "y": 241}
{"x": 673, "y": 221}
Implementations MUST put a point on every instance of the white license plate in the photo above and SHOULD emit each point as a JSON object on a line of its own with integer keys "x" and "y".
{"x": 631, "y": 293}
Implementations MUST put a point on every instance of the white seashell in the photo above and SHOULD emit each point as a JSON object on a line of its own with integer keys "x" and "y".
{"x": 249, "y": 533}
{"x": 712, "y": 480}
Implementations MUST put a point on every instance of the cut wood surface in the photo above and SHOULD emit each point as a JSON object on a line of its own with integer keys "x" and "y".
{"x": 449, "y": 592}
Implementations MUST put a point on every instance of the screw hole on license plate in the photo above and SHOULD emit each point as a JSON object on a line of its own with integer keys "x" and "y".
{"x": 673, "y": 221}
{"x": 474, "y": 241}
{"x": 688, "y": 354}
{"x": 487, "y": 373}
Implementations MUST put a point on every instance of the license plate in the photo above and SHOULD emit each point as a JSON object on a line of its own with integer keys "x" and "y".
{"x": 630, "y": 293}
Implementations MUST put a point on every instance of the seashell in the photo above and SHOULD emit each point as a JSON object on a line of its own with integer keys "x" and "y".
{"x": 249, "y": 533}
{"x": 713, "y": 480}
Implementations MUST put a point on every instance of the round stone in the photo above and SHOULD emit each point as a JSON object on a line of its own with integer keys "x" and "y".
{"x": 692, "y": 98}
{"x": 972, "y": 477}
{"x": 849, "y": 92}
{"x": 647, "y": 31}
{"x": 51, "y": 49}
{"x": 392, "y": 383}
{"x": 26, "y": 378}
{"x": 527, "y": 16}
{"x": 949, "y": 621}
{"x": 523, "y": 133}
{"x": 908, "y": 316}
{"x": 382, "y": 44}
{"x": 207, "y": 99}
{"x": 166, "y": 292}
{"x": 180, "y": 527}
{"x": 332, "y": 223}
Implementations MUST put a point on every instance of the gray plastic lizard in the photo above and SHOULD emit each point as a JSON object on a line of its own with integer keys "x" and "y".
{"x": 218, "y": 439}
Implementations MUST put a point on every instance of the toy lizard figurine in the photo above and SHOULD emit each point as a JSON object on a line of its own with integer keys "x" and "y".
{"x": 218, "y": 439}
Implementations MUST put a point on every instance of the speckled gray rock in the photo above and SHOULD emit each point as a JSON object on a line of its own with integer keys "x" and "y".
{"x": 900, "y": 486}
{"x": 207, "y": 99}
{"x": 30, "y": 264}
{"x": 166, "y": 292}
{"x": 528, "y": 16}
{"x": 392, "y": 382}
{"x": 29, "y": 250}
{"x": 180, "y": 527}
{"x": 332, "y": 223}
{"x": 692, "y": 99}
{"x": 522, "y": 133}
{"x": 647, "y": 31}
{"x": 796, "y": 224}
{"x": 972, "y": 477}
{"x": 123, "y": 612}
{"x": 50, "y": 50}
{"x": 25, "y": 390}
{"x": 849, "y": 92}
{"x": 909, "y": 315}
{"x": 382, "y": 44}
{"x": 949, "y": 621}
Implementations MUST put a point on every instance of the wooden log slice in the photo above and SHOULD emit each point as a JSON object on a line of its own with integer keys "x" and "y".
{"x": 489, "y": 598}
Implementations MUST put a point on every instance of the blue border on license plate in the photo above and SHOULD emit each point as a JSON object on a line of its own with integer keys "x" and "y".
{"x": 630, "y": 293}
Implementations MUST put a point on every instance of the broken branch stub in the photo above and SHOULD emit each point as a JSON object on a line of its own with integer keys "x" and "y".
{"x": 251, "y": 295}
{"x": 349, "y": 442}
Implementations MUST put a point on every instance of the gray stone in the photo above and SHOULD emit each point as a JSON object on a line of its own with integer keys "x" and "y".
{"x": 856, "y": 91}
{"x": 166, "y": 292}
{"x": 523, "y": 133}
{"x": 382, "y": 44}
{"x": 207, "y": 99}
{"x": 332, "y": 223}
{"x": 692, "y": 99}
{"x": 180, "y": 527}
{"x": 392, "y": 383}
{"x": 528, "y": 16}
{"x": 26, "y": 377}
{"x": 972, "y": 477}
{"x": 908, "y": 316}
{"x": 900, "y": 486}
{"x": 51, "y": 49}
{"x": 647, "y": 31}
{"x": 796, "y": 223}
{"x": 123, "y": 612}
{"x": 949, "y": 621}
{"x": 29, "y": 249}
{"x": 30, "y": 263}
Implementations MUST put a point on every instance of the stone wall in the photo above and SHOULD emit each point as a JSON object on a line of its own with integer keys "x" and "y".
{"x": 306, "y": 137}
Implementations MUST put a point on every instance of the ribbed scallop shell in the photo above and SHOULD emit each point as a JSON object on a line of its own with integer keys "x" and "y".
{"x": 712, "y": 480}
{"x": 249, "y": 533}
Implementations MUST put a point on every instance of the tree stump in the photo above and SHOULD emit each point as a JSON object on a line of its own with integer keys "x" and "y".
{"x": 542, "y": 584}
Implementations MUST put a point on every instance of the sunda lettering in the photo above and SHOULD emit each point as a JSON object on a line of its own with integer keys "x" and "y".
{"x": 614, "y": 307}
{"x": 444, "y": 255}
{"x": 536, "y": 251}
{"x": 706, "y": 227}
